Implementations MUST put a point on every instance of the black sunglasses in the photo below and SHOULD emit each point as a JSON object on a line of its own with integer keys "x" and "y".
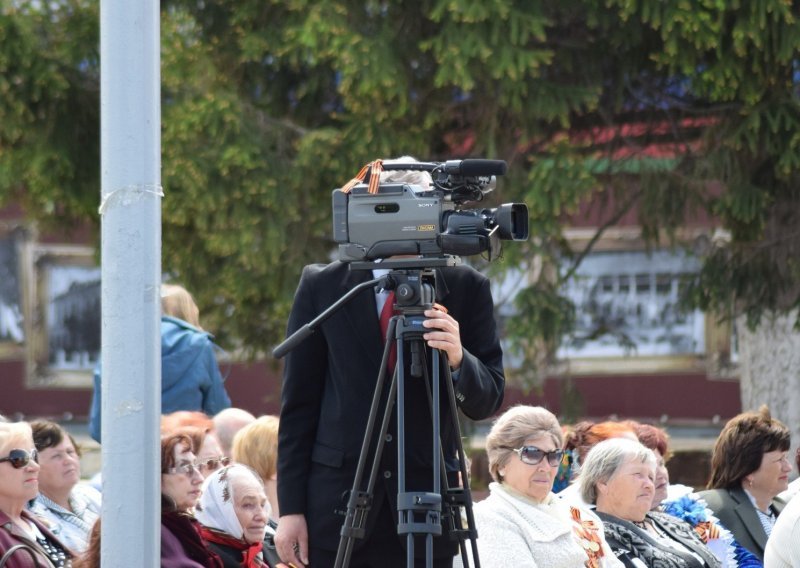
{"x": 532, "y": 455}
{"x": 20, "y": 458}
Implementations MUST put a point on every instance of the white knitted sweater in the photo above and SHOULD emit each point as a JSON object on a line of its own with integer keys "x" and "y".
{"x": 515, "y": 531}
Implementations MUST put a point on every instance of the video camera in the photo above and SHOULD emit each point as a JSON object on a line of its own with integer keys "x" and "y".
{"x": 404, "y": 219}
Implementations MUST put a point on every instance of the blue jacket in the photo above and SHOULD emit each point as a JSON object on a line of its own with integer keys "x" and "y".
{"x": 190, "y": 377}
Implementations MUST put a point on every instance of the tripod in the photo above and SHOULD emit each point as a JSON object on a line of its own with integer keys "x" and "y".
{"x": 419, "y": 512}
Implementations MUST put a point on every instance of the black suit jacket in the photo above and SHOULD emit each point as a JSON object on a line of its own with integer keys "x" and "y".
{"x": 737, "y": 514}
{"x": 329, "y": 380}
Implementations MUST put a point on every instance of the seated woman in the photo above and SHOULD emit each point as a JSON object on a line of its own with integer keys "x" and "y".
{"x": 749, "y": 467}
{"x": 233, "y": 516}
{"x": 522, "y": 523}
{"x": 25, "y": 541}
{"x": 209, "y": 454}
{"x": 686, "y": 505}
{"x": 256, "y": 446}
{"x": 181, "y": 545}
{"x": 577, "y": 442}
{"x": 69, "y": 507}
{"x": 618, "y": 477}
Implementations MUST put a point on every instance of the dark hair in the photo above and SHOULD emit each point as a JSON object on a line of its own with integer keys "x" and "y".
{"x": 47, "y": 434}
{"x": 742, "y": 444}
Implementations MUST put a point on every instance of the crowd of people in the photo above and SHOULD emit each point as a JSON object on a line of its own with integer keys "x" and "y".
{"x": 274, "y": 492}
{"x": 614, "y": 506}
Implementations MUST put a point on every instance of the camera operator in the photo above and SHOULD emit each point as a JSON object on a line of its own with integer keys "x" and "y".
{"x": 328, "y": 383}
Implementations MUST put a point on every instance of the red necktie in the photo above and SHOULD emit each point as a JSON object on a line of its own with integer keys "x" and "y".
{"x": 386, "y": 314}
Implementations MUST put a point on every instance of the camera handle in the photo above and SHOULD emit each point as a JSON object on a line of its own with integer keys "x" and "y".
{"x": 410, "y": 505}
{"x": 307, "y": 329}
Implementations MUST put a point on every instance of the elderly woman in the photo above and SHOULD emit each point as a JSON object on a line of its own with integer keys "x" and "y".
{"x": 578, "y": 441}
{"x": 181, "y": 480}
{"x": 233, "y": 515}
{"x": 210, "y": 456}
{"x": 618, "y": 477}
{"x": 687, "y": 506}
{"x": 24, "y": 540}
{"x": 256, "y": 445}
{"x": 522, "y": 523}
{"x": 749, "y": 467}
{"x": 69, "y": 508}
{"x": 181, "y": 545}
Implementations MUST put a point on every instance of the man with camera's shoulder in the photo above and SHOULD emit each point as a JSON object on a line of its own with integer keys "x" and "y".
{"x": 329, "y": 380}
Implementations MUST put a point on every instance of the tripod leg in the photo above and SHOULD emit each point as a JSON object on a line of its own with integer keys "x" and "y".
{"x": 360, "y": 503}
{"x": 465, "y": 494}
{"x": 455, "y": 498}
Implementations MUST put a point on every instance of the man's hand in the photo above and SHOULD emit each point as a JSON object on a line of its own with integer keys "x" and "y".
{"x": 291, "y": 540}
{"x": 445, "y": 335}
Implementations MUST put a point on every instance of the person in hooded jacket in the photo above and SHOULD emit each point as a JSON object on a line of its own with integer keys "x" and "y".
{"x": 190, "y": 375}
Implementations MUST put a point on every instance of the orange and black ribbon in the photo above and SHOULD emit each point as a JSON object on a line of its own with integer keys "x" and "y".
{"x": 375, "y": 168}
{"x": 707, "y": 530}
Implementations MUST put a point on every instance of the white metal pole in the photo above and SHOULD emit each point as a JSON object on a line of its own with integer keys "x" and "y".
{"x": 130, "y": 210}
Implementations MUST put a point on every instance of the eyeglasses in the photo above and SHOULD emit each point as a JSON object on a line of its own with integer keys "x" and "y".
{"x": 213, "y": 464}
{"x": 532, "y": 455}
{"x": 185, "y": 469}
{"x": 20, "y": 458}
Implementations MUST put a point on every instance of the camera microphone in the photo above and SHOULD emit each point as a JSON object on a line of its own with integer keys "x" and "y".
{"x": 475, "y": 167}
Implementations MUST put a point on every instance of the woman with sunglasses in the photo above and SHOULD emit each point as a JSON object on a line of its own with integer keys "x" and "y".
{"x": 618, "y": 477}
{"x": 522, "y": 523}
{"x": 181, "y": 544}
{"x": 24, "y": 541}
{"x": 181, "y": 481}
{"x": 210, "y": 457}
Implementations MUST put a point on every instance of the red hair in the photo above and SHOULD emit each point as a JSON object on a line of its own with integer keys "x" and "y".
{"x": 586, "y": 435}
{"x": 183, "y": 418}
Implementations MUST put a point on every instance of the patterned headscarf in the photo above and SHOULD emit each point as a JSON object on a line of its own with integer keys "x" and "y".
{"x": 215, "y": 509}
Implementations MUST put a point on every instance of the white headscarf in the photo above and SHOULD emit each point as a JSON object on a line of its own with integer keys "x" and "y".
{"x": 215, "y": 509}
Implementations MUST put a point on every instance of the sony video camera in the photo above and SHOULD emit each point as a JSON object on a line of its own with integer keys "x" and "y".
{"x": 404, "y": 219}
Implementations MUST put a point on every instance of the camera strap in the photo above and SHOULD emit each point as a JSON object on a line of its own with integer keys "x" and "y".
{"x": 374, "y": 168}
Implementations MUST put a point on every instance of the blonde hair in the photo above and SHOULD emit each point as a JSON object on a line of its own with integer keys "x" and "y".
{"x": 176, "y": 301}
{"x": 256, "y": 445}
{"x": 16, "y": 432}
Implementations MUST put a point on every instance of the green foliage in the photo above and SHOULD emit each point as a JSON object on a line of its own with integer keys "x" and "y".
{"x": 49, "y": 108}
{"x": 665, "y": 110}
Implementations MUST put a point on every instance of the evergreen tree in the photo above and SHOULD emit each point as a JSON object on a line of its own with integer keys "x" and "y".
{"x": 267, "y": 106}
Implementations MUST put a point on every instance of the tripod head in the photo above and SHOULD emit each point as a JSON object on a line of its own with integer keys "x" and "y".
{"x": 414, "y": 289}
{"x": 413, "y": 280}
